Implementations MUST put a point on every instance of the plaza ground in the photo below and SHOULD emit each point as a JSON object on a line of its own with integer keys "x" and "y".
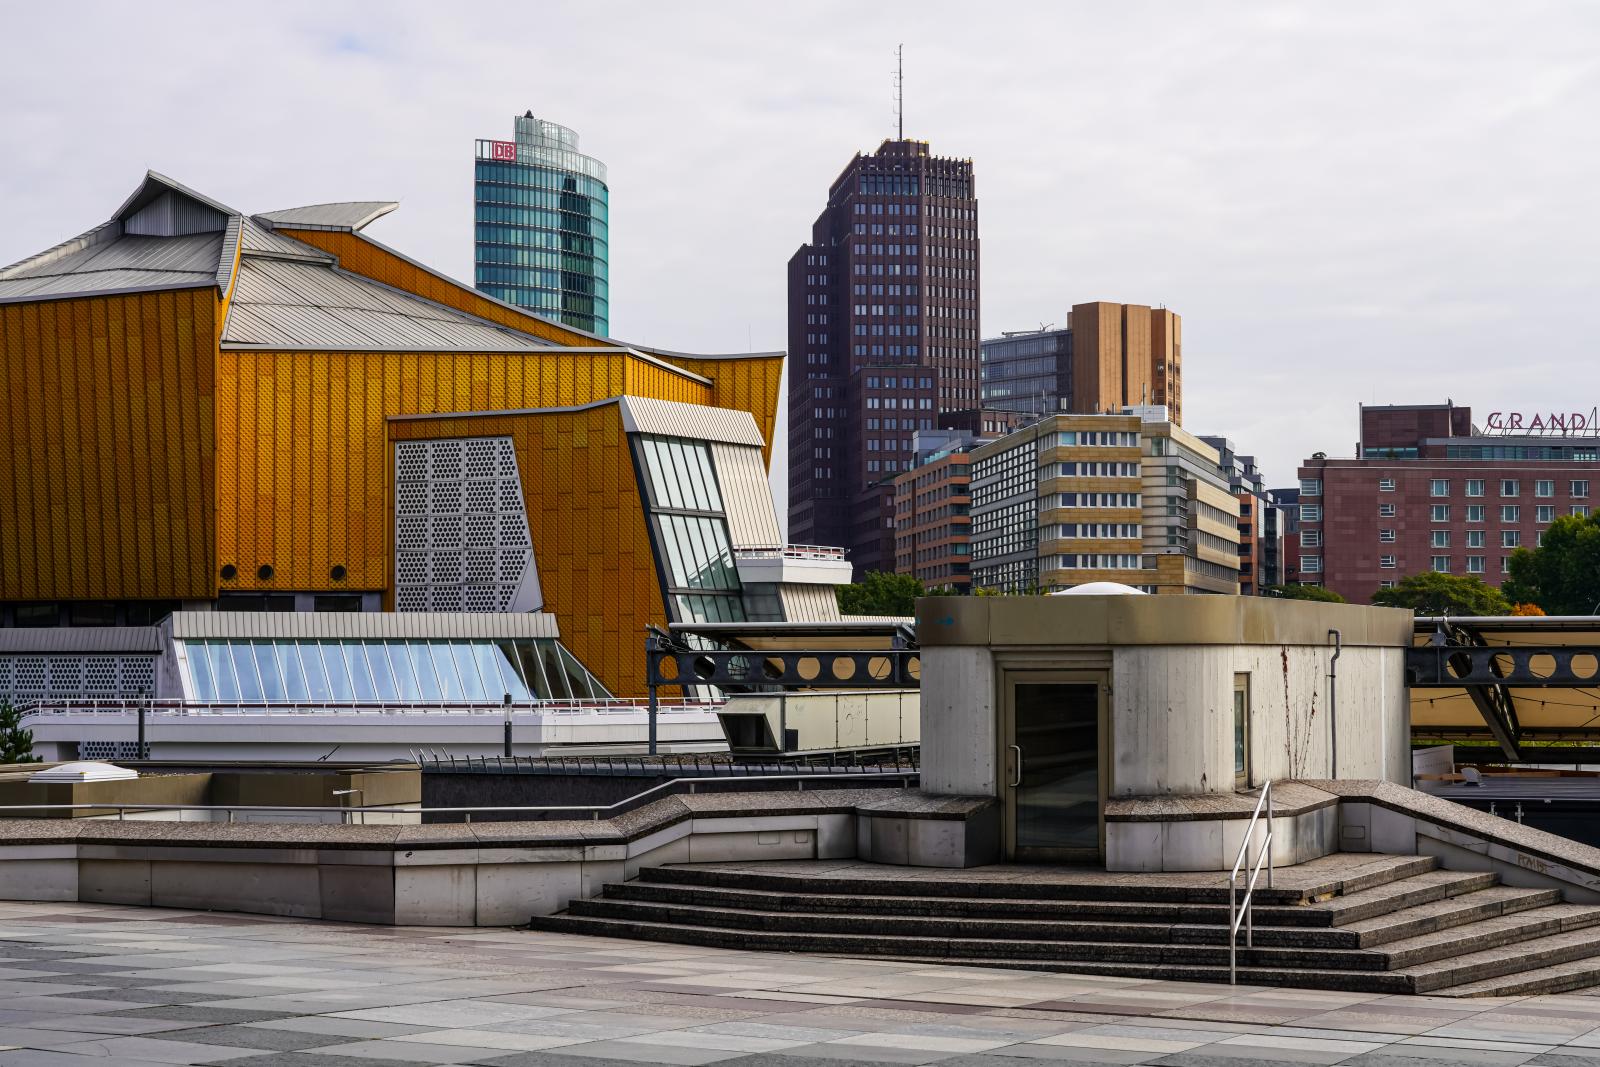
{"x": 82, "y": 983}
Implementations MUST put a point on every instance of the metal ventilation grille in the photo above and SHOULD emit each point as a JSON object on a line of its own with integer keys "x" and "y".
{"x": 27, "y": 678}
{"x": 461, "y": 531}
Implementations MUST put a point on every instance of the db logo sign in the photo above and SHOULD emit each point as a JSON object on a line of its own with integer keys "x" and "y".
{"x": 506, "y": 150}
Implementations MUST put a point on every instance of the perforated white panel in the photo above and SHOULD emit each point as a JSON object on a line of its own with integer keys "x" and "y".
{"x": 461, "y": 530}
{"x": 58, "y": 677}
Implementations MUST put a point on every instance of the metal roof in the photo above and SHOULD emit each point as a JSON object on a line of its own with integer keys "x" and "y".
{"x": 262, "y": 241}
{"x": 78, "y": 640}
{"x": 673, "y": 419}
{"x": 127, "y": 262}
{"x": 288, "y": 625}
{"x": 351, "y": 215}
{"x": 306, "y": 304}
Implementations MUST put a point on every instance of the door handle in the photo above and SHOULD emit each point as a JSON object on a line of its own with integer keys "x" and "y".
{"x": 1016, "y": 774}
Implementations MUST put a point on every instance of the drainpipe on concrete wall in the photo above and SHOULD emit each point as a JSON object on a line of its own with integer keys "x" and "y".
{"x": 1333, "y": 704}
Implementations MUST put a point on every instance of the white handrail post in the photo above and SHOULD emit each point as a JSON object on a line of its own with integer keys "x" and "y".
{"x": 1268, "y": 792}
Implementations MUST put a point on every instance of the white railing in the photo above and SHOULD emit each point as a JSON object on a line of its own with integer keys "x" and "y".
{"x": 156, "y": 708}
{"x": 814, "y": 552}
{"x": 1243, "y": 912}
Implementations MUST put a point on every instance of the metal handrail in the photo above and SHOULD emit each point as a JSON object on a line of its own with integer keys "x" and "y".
{"x": 1244, "y": 912}
{"x": 905, "y": 778}
{"x": 180, "y": 707}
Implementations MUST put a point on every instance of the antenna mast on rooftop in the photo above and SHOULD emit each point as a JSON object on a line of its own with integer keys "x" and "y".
{"x": 899, "y": 92}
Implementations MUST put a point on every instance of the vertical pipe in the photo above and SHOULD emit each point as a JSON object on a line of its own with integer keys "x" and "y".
{"x": 1333, "y": 704}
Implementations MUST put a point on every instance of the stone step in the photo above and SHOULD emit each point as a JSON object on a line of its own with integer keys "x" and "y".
{"x": 1474, "y": 969}
{"x": 1310, "y": 881}
{"x": 1065, "y": 940}
{"x": 1569, "y": 960}
{"x": 1362, "y": 911}
{"x": 1560, "y": 978}
{"x": 1158, "y": 968}
{"x": 1489, "y": 902}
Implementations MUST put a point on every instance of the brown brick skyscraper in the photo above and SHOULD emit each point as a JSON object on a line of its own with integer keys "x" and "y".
{"x": 883, "y": 338}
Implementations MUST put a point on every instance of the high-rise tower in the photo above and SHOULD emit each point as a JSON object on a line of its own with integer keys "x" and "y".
{"x": 883, "y": 340}
{"x": 540, "y": 225}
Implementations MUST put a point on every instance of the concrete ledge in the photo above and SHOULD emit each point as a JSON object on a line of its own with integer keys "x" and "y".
{"x": 473, "y": 874}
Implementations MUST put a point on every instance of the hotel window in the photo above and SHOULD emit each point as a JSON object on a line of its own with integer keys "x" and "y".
{"x": 1385, "y": 511}
{"x": 1311, "y": 564}
{"x": 1581, "y": 510}
{"x": 1505, "y": 564}
{"x": 1387, "y": 583}
{"x": 1544, "y": 487}
{"x": 1580, "y": 489}
{"x": 1475, "y": 512}
{"x": 1474, "y": 564}
{"x": 1544, "y": 513}
{"x": 1474, "y": 538}
{"x": 1509, "y": 487}
{"x": 1310, "y": 512}
{"x": 1510, "y": 513}
{"x": 1538, "y": 538}
{"x": 1474, "y": 486}
{"x": 1241, "y": 731}
{"x": 1386, "y": 562}
{"x": 1441, "y": 513}
{"x": 1441, "y": 564}
{"x": 1310, "y": 486}
{"x": 1441, "y": 539}
{"x": 1510, "y": 538}
{"x": 1386, "y": 536}
{"x": 1310, "y": 538}
{"x": 1439, "y": 487}
{"x": 1385, "y": 485}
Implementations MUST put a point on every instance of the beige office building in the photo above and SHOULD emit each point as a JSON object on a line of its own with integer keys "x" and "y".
{"x": 1130, "y": 498}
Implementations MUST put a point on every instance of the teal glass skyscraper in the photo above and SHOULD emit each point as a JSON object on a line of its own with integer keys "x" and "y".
{"x": 541, "y": 231}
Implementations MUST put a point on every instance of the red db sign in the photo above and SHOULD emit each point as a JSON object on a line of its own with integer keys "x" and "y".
{"x": 506, "y": 150}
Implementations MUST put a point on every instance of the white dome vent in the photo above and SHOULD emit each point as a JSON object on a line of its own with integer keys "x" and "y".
{"x": 84, "y": 771}
{"x": 1101, "y": 589}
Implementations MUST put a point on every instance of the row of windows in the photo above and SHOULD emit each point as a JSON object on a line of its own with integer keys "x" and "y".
{"x": 1578, "y": 453}
{"x": 503, "y": 214}
{"x": 878, "y": 350}
{"x": 1107, "y": 438}
{"x": 893, "y": 270}
{"x": 1545, "y": 487}
{"x": 1545, "y": 513}
{"x": 1093, "y": 529}
{"x": 1102, "y": 561}
{"x": 1093, "y": 500}
{"x": 578, "y": 264}
{"x": 879, "y": 382}
{"x": 519, "y": 288}
{"x": 532, "y": 196}
{"x": 886, "y": 209}
{"x": 862, "y": 229}
{"x": 252, "y": 672}
{"x": 865, "y": 248}
{"x": 886, "y": 289}
{"x": 533, "y": 177}
{"x": 890, "y": 403}
{"x": 878, "y": 329}
{"x": 1097, "y": 470}
{"x": 582, "y": 244}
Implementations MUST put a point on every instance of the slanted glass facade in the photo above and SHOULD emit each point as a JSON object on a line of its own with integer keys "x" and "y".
{"x": 345, "y": 671}
{"x": 690, "y": 531}
{"x": 542, "y": 226}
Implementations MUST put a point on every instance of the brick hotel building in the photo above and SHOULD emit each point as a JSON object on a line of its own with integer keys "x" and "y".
{"x": 1429, "y": 490}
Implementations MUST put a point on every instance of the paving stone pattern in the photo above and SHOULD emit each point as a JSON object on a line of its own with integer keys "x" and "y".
{"x": 251, "y": 991}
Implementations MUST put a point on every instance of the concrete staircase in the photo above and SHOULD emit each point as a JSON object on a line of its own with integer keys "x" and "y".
{"x": 1390, "y": 924}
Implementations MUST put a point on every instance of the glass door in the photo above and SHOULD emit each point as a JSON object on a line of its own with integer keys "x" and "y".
{"x": 1054, "y": 784}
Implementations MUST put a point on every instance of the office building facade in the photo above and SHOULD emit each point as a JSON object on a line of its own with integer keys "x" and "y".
{"x": 1129, "y": 498}
{"x": 1110, "y": 356}
{"x": 1260, "y": 519}
{"x": 883, "y": 339}
{"x": 1429, "y": 490}
{"x": 541, "y": 216}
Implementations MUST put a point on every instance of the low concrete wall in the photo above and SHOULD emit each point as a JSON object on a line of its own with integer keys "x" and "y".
{"x": 479, "y": 874}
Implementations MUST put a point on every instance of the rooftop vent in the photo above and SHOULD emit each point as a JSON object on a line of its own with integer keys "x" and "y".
{"x": 85, "y": 771}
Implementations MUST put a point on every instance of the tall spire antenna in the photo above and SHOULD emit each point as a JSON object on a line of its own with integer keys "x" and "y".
{"x": 899, "y": 92}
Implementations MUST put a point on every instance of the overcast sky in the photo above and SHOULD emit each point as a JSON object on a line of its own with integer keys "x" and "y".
{"x": 1347, "y": 202}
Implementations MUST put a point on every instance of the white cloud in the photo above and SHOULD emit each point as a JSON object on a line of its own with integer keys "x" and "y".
{"x": 1347, "y": 203}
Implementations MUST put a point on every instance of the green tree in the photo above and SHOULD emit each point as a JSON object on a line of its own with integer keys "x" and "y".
{"x": 1562, "y": 575}
{"x": 880, "y": 593}
{"x": 1306, "y": 592}
{"x": 1432, "y": 593}
{"x": 16, "y": 744}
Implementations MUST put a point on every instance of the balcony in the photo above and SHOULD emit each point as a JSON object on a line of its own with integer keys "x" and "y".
{"x": 807, "y": 564}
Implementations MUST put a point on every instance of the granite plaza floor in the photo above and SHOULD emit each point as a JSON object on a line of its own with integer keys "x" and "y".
{"x": 83, "y": 983}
